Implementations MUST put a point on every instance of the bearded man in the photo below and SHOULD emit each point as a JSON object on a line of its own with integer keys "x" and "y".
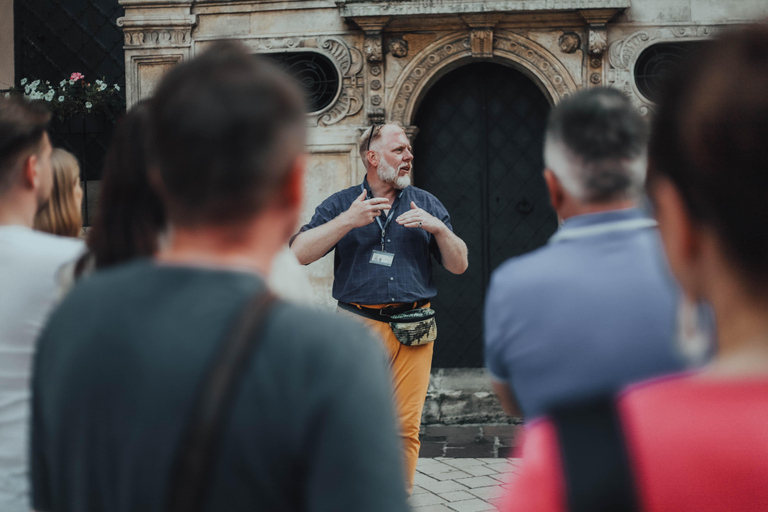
{"x": 384, "y": 231}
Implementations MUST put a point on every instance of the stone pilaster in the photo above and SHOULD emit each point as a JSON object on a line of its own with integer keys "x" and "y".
{"x": 158, "y": 35}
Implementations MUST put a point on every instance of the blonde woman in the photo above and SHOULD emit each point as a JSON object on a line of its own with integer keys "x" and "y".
{"x": 62, "y": 215}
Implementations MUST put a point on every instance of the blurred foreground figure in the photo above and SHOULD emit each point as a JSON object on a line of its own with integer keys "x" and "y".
{"x": 695, "y": 442}
{"x": 29, "y": 262}
{"x": 62, "y": 216}
{"x": 130, "y": 412}
{"x": 594, "y": 309}
{"x": 131, "y": 220}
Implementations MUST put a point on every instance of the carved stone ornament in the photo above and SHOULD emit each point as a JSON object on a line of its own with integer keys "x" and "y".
{"x": 569, "y": 42}
{"x": 376, "y": 100}
{"x": 376, "y": 116}
{"x": 375, "y": 70}
{"x": 375, "y": 85}
{"x": 595, "y": 62}
{"x": 348, "y": 59}
{"x": 372, "y": 47}
{"x": 595, "y": 79}
{"x": 398, "y": 47}
{"x": 482, "y": 42}
{"x": 623, "y": 54}
{"x": 598, "y": 40}
{"x": 524, "y": 53}
{"x": 174, "y": 32}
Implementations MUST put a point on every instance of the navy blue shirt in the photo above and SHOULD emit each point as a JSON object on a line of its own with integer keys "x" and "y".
{"x": 409, "y": 279}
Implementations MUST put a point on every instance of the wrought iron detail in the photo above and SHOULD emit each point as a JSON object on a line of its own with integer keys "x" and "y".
{"x": 656, "y": 62}
{"x": 54, "y": 39}
{"x": 315, "y": 72}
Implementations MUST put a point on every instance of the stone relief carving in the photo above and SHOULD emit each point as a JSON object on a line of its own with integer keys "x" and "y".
{"x": 347, "y": 58}
{"x": 481, "y": 42}
{"x": 506, "y": 45}
{"x": 569, "y": 42}
{"x": 623, "y": 54}
{"x": 372, "y": 47}
{"x": 598, "y": 40}
{"x": 157, "y": 37}
{"x": 398, "y": 47}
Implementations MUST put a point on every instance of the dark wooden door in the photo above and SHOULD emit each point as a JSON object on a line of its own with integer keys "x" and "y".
{"x": 479, "y": 150}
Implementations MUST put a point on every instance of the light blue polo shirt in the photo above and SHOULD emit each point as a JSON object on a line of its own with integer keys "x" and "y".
{"x": 591, "y": 311}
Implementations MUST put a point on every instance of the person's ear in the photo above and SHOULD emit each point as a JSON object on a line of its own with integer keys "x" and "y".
{"x": 556, "y": 193}
{"x": 293, "y": 190}
{"x": 373, "y": 158}
{"x": 682, "y": 237}
{"x": 30, "y": 179}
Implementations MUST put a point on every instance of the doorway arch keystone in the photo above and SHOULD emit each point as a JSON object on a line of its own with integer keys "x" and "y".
{"x": 436, "y": 59}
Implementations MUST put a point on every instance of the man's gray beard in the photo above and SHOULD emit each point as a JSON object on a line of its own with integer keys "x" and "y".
{"x": 388, "y": 174}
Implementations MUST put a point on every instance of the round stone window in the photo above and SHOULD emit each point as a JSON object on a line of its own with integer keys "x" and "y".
{"x": 316, "y": 74}
{"x": 656, "y": 62}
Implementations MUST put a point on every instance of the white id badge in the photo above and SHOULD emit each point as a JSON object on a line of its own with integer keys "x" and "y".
{"x": 382, "y": 258}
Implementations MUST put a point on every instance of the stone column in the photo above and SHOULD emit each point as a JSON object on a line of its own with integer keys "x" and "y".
{"x": 158, "y": 35}
{"x": 374, "y": 56}
{"x": 597, "y": 43}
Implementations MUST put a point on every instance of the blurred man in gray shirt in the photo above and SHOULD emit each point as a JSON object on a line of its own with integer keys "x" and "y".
{"x": 595, "y": 308}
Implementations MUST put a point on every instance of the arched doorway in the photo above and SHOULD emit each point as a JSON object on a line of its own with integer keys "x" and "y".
{"x": 479, "y": 150}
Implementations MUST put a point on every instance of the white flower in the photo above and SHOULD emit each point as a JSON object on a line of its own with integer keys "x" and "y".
{"x": 35, "y": 83}
{"x": 23, "y": 81}
{"x": 71, "y": 82}
{"x": 117, "y": 87}
{"x": 27, "y": 89}
{"x": 61, "y": 99}
{"x": 102, "y": 86}
{"x": 88, "y": 104}
{"x": 98, "y": 82}
{"x": 49, "y": 95}
{"x": 7, "y": 95}
{"x": 62, "y": 83}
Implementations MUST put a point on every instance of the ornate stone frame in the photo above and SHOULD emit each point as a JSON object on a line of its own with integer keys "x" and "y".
{"x": 437, "y": 58}
{"x": 623, "y": 55}
{"x": 347, "y": 59}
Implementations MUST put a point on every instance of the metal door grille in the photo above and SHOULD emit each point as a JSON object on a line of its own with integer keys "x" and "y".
{"x": 479, "y": 150}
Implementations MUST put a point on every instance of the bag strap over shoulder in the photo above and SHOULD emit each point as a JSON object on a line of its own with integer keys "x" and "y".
{"x": 596, "y": 465}
{"x": 194, "y": 460}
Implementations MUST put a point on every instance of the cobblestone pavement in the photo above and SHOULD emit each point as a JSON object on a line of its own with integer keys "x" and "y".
{"x": 460, "y": 485}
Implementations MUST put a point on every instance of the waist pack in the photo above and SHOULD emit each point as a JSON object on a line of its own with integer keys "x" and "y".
{"x": 411, "y": 328}
{"x": 414, "y": 327}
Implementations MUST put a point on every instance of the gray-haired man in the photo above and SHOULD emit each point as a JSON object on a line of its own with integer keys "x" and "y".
{"x": 594, "y": 309}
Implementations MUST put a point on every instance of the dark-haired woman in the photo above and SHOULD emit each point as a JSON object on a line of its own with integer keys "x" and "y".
{"x": 694, "y": 442}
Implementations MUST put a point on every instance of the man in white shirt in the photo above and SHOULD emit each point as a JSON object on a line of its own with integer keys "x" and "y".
{"x": 29, "y": 261}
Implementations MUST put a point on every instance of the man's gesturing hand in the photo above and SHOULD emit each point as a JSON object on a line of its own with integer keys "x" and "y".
{"x": 362, "y": 212}
{"x": 418, "y": 218}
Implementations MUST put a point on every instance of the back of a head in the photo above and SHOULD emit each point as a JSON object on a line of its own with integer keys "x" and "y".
{"x": 596, "y": 146}
{"x": 131, "y": 215}
{"x": 710, "y": 138}
{"x": 227, "y": 127}
{"x": 62, "y": 215}
{"x": 22, "y": 125}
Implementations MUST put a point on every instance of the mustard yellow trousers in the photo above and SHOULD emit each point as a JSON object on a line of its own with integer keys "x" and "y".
{"x": 410, "y": 367}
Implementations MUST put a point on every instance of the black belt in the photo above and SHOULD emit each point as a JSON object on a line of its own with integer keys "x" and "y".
{"x": 383, "y": 314}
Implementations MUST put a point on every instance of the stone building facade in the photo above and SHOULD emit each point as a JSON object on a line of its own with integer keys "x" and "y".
{"x": 387, "y": 55}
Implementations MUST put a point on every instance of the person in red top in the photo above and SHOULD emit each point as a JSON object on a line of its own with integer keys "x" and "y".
{"x": 696, "y": 441}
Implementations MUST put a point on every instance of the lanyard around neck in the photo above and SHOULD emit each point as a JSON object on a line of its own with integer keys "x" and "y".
{"x": 383, "y": 227}
{"x": 599, "y": 229}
